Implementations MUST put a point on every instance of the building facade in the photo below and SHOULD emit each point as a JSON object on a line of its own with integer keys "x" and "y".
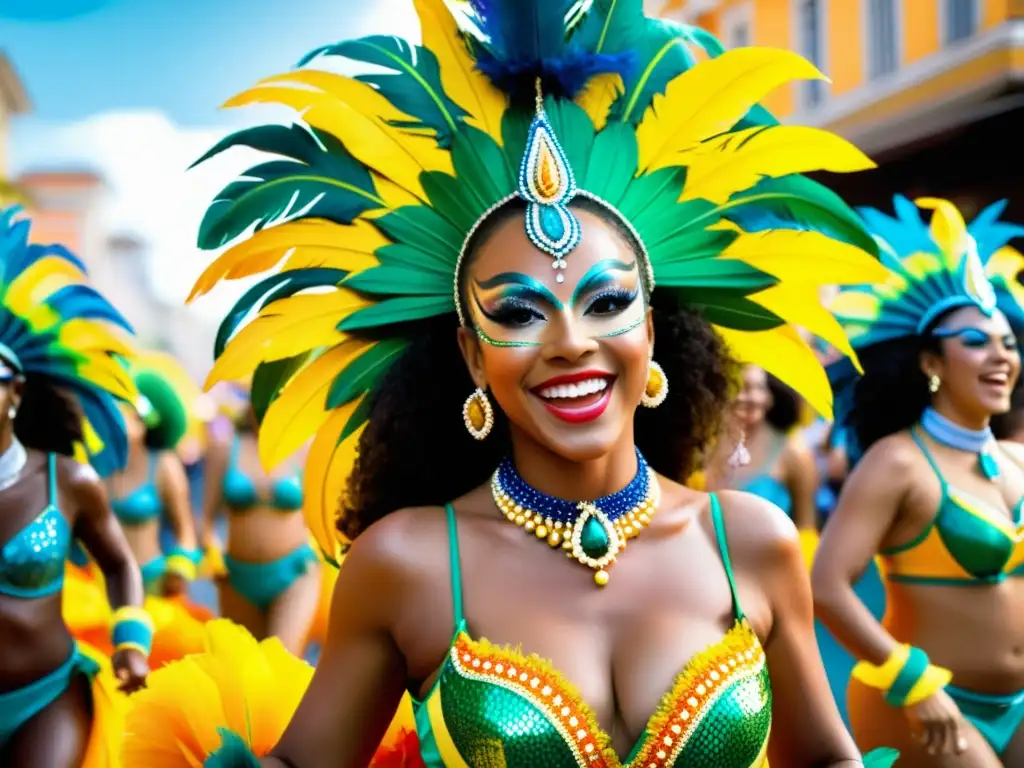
{"x": 13, "y": 101}
{"x": 931, "y": 89}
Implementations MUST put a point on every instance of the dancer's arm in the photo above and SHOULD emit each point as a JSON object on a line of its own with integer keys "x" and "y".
{"x": 97, "y": 528}
{"x": 172, "y": 485}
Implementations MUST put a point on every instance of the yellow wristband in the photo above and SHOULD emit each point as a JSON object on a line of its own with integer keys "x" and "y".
{"x": 182, "y": 566}
{"x": 884, "y": 677}
{"x": 132, "y": 613}
{"x": 133, "y": 647}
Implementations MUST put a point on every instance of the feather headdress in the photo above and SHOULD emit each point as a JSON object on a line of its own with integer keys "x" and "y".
{"x": 371, "y": 200}
{"x": 167, "y": 396}
{"x": 54, "y": 325}
{"x": 936, "y": 268}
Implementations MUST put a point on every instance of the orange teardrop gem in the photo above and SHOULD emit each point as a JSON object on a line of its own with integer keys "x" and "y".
{"x": 549, "y": 179}
{"x": 477, "y": 417}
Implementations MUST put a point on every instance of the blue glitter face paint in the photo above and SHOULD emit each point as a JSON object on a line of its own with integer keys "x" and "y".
{"x": 975, "y": 338}
{"x": 513, "y": 309}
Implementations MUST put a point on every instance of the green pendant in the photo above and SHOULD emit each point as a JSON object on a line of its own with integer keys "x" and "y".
{"x": 594, "y": 538}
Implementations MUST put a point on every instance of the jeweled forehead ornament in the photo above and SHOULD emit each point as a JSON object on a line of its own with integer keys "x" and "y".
{"x": 547, "y": 184}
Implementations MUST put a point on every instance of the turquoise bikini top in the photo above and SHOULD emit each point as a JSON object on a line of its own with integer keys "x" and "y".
{"x": 967, "y": 543}
{"x": 240, "y": 492}
{"x": 768, "y": 487}
{"x": 495, "y": 706}
{"x": 32, "y": 562}
{"x": 144, "y": 503}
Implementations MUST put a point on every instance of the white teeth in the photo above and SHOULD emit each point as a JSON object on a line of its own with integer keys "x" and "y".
{"x": 579, "y": 389}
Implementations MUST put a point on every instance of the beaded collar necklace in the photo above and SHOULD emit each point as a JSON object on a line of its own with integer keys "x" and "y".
{"x": 948, "y": 433}
{"x": 591, "y": 532}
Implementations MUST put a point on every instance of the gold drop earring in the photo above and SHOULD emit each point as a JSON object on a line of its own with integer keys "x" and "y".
{"x": 657, "y": 386}
{"x": 478, "y": 414}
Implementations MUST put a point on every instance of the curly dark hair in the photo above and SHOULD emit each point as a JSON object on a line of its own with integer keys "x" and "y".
{"x": 48, "y": 420}
{"x": 415, "y": 451}
{"x": 785, "y": 411}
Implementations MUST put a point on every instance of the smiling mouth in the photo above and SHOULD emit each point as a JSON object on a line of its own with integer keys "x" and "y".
{"x": 576, "y": 399}
{"x": 995, "y": 379}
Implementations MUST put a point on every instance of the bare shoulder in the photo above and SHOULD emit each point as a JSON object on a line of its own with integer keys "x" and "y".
{"x": 756, "y": 528}
{"x": 892, "y": 463}
{"x": 403, "y": 545}
{"x": 81, "y": 484}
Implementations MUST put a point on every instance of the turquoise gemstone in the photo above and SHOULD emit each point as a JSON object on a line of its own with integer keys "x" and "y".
{"x": 552, "y": 223}
{"x": 594, "y": 539}
{"x": 989, "y": 468}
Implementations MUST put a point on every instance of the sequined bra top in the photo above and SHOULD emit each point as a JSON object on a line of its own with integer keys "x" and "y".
{"x": 144, "y": 503}
{"x": 240, "y": 494}
{"x": 32, "y": 562}
{"x": 966, "y": 543}
{"x": 495, "y": 707}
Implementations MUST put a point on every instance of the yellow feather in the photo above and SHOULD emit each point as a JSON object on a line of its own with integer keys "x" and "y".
{"x": 325, "y": 479}
{"x": 599, "y": 95}
{"x": 1008, "y": 263}
{"x": 105, "y": 372}
{"x": 89, "y": 336}
{"x": 948, "y": 228}
{"x": 393, "y": 195}
{"x": 721, "y": 166}
{"x": 336, "y": 244}
{"x": 798, "y": 256}
{"x": 351, "y": 113}
{"x": 919, "y": 265}
{"x": 285, "y": 328}
{"x": 855, "y": 305}
{"x": 39, "y": 282}
{"x": 710, "y": 98}
{"x": 800, "y": 305}
{"x": 301, "y": 408}
{"x": 785, "y": 355}
{"x": 463, "y": 83}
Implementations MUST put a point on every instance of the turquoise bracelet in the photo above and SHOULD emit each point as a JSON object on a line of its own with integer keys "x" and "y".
{"x": 233, "y": 753}
{"x": 133, "y": 633}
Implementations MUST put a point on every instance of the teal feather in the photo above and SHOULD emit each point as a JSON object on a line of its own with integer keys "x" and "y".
{"x": 294, "y": 141}
{"x": 612, "y": 163}
{"x": 412, "y": 83}
{"x": 270, "y": 378}
{"x": 365, "y": 372}
{"x": 424, "y": 229}
{"x": 329, "y": 184}
{"x": 400, "y": 310}
{"x": 269, "y": 290}
{"x": 400, "y": 281}
{"x": 734, "y": 311}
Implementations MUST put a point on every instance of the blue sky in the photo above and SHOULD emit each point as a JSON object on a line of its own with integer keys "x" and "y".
{"x": 181, "y": 57}
{"x": 131, "y": 90}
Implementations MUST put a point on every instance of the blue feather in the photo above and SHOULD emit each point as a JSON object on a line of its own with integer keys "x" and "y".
{"x": 85, "y": 302}
{"x": 519, "y": 41}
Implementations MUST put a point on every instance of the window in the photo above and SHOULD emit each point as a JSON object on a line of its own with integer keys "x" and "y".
{"x": 739, "y": 35}
{"x": 811, "y": 31}
{"x": 883, "y": 44}
{"x": 961, "y": 17}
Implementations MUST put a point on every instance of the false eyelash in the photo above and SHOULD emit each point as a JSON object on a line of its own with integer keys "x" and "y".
{"x": 622, "y": 294}
{"x": 506, "y": 306}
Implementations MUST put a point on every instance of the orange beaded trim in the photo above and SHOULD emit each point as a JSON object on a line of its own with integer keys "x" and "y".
{"x": 539, "y": 683}
{"x": 737, "y": 657}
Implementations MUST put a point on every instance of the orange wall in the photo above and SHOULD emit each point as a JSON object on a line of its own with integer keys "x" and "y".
{"x": 62, "y": 227}
{"x": 845, "y": 48}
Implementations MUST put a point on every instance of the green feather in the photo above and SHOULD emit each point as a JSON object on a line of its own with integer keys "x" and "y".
{"x": 271, "y": 289}
{"x": 453, "y": 199}
{"x": 481, "y": 165}
{"x": 294, "y": 141}
{"x": 363, "y": 373}
{"x": 412, "y": 83}
{"x": 423, "y": 228}
{"x": 798, "y": 202}
{"x": 400, "y": 281}
{"x": 337, "y": 187}
{"x": 613, "y": 163}
{"x": 359, "y": 416}
{"x": 575, "y": 133}
{"x": 732, "y": 311}
{"x": 401, "y": 255}
{"x": 401, "y": 310}
{"x": 728, "y": 274}
{"x": 270, "y": 378}
{"x": 688, "y": 245}
{"x": 515, "y": 128}
{"x": 650, "y": 195}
